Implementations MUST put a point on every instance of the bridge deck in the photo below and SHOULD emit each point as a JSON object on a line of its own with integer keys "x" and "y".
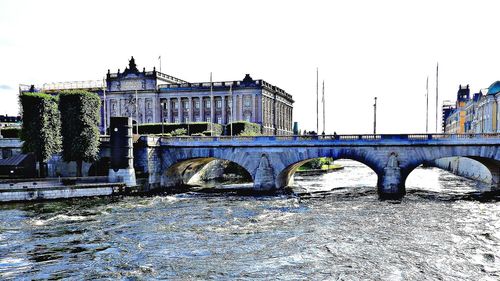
{"x": 334, "y": 140}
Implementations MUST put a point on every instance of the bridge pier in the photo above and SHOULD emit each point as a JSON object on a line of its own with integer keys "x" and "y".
{"x": 390, "y": 187}
{"x": 495, "y": 179}
{"x": 264, "y": 179}
{"x": 390, "y": 184}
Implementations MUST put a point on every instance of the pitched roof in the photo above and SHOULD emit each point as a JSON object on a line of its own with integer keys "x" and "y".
{"x": 14, "y": 160}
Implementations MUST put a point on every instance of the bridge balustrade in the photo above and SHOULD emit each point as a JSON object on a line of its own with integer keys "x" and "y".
{"x": 359, "y": 137}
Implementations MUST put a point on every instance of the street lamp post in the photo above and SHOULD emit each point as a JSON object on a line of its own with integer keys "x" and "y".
{"x": 375, "y": 117}
{"x": 162, "y": 104}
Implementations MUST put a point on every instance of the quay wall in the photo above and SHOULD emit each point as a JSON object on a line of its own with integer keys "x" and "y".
{"x": 54, "y": 193}
{"x": 464, "y": 167}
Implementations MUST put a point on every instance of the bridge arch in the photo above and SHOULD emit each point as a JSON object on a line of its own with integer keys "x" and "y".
{"x": 366, "y": 157}
{"x": 487, "y": 156}
{"x": 182, "y": 171}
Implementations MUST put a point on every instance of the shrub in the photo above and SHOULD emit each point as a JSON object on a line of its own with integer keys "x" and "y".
{"x": 191, "y": 128}
{"x": 243, "y": 128}
{"x": 179, "y": 132}
{"x": 10, "y": 132}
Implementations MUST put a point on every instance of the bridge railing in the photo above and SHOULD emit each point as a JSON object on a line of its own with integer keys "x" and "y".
{"x": 353, "y": 137}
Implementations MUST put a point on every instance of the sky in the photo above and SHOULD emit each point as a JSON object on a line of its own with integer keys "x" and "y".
{"x": 363, "y": 49}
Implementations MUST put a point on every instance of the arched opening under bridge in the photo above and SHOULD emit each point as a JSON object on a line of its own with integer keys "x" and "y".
{"x": 205, "y": 172}
{"x": 346, "y": 174}
{"x": 455, "y": 174}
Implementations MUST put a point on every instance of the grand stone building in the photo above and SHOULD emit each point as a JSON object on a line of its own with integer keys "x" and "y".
{"x": 154, "y": 97}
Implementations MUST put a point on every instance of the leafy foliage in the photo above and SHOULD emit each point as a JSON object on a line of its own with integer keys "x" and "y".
{"x": 179, "y": 132}
{"x": 243, "y": 128}
{"x": 79, "y": 128}
{"x": 193, "y": 128}
{"x": 41, "y": 126}
{"x": 317, "y": 163}
{"x": 10, "y": 132}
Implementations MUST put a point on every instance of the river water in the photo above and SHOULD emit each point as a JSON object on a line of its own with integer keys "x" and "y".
{"x": 332, "y": 228}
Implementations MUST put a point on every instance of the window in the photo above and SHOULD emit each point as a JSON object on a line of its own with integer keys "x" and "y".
{"x": 176, "y": 106}
{"x": 185, "y": 104}
{"x": 207, "y": 104}
{"x": 197, "y": 104}
{"x": 186, "y": 119}
{"x": 246, "y": 101}
{"x": 219, "y": 104}
{"x": 208, "y": 119}
{"x": 247, "y": 117}
{"x": 197, "y": 119}
{"x": 219, "y": 120}
{"x": 176, "y": 119}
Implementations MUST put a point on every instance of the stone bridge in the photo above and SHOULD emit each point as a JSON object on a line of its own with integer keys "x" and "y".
{"x": 272, "y": 160}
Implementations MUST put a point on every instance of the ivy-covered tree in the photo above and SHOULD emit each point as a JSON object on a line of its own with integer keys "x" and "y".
{"x": 41, "y": 126}
{"x": 79, "y": 127}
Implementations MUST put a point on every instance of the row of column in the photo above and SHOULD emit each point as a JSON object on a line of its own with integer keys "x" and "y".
{"x": 277, "y": 115}
{"x": 168, "y": 108}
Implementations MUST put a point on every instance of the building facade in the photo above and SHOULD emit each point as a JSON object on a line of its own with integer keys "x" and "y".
{"x": 155, "y": 97}
{"x": 478, "y": 114}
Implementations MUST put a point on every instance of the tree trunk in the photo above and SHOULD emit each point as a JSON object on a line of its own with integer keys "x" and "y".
{"x": 41, "y": 168}
{"x": 78, "y": 168}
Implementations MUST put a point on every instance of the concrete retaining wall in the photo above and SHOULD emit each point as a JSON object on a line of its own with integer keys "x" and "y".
{"x": 464, "y": 167}
{"x": 55, "y": 193}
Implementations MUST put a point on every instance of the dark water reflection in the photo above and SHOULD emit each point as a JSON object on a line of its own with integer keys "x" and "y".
{"x": 334, "y": 227}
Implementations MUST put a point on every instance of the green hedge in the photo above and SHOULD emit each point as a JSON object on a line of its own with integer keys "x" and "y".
{"x": 10, "y": 132}
{"x": 192, "y": 128}
{"x": 243, "y": 128}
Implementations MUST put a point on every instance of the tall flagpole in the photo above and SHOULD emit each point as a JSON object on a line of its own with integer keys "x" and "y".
{"x": 323, "y": 100}
{"x": 317, "y": 103}
{"x": 437, "y": 94}
{"x": 159, "y": 58}
{"x": 211, "y": 107}
{"x": 375, "y": 116}
{"x": 104, "y": 107}
{"x": 427, "y": 106}
{"x": 232, "y": 106}
{"x": 136, "y": 112}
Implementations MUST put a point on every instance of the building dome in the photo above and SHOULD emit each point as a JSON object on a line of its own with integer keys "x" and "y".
{"x": 494, "y": 88}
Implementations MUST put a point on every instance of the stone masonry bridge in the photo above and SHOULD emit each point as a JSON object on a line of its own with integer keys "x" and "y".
{"x": 272, "y": 160}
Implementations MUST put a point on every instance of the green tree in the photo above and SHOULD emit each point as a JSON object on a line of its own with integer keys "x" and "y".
{"x": 179, "y": 132}
{"x": 79, "y": 127}
{"x": 41, "y": 126}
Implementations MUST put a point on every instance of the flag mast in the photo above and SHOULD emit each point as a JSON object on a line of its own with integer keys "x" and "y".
{"x": 211, "y": 107}
{"x": 323, "y": 100}
{"x": 317, "y": 102}
{"x": 437, "y": 94}
{"x": 427, "y": 106}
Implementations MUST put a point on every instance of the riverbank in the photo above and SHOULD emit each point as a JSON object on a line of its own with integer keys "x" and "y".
{"x": 26, "y": 190}
{"x": 324, "y": 170}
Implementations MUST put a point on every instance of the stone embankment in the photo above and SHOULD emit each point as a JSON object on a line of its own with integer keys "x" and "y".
{"x": 16, "y": 190}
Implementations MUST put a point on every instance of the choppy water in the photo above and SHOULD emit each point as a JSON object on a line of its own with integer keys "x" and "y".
{"x": 436, "y": 232}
